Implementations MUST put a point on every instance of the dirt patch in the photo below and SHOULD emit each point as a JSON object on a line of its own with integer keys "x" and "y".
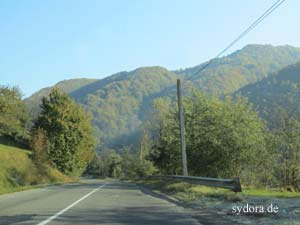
{"x": 252, "y": 210}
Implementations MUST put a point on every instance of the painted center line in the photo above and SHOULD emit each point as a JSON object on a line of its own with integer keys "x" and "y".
{"x": 70, "y": 206}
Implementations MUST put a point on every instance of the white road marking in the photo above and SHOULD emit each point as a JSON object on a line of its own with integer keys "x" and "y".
{"x": 70, "y": 206}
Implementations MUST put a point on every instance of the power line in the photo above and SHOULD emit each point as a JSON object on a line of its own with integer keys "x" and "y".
{"x": 253, "y": 25}
{"x": 244, "y": 33}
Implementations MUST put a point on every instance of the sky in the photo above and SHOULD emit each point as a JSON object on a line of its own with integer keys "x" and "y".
{"x": 44, "y": 42}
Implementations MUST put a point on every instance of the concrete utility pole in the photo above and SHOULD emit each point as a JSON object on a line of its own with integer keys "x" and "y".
{"x": 181, "y": 125}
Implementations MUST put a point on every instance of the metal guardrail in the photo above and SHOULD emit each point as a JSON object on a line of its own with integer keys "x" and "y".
{"x": 232, "y": 184}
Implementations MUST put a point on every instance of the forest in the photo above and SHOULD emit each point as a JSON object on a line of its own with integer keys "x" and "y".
{"x": 241, "y": 120}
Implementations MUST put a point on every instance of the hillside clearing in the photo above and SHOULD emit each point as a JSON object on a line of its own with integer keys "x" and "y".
{"x": 18, "y": 172}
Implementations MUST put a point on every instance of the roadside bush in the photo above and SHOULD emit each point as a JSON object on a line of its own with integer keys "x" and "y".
{"x": 224, "y": 136}
{"x": 39, "y": 146}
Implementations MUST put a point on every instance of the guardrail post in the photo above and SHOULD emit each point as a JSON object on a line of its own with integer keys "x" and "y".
{"x": 237, "y": 185}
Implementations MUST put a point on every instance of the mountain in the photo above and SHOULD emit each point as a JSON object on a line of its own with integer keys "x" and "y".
{"x": 118, "y": 104}
{"x": 67, "y": 86}
{"x": 279, "y": 90}
{"x": 248, "y": 65}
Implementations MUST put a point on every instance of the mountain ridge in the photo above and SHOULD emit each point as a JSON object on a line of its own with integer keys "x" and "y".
{"x": 278, "y": 91}
{"x": 118, "y": 102}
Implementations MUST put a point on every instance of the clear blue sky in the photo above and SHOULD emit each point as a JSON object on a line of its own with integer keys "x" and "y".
{"x": 43, "y": 42}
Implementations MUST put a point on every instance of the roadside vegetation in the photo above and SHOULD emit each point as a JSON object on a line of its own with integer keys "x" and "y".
{"x": 19, "y": 172}
{"x": 54, "y": 148}
{"x": 225, "y": 138}
{"x": 188, "y": 193}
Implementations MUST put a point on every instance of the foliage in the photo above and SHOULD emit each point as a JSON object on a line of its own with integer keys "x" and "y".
{"x": 113, "y": 164}
{"x": 17, "y": 170}
{"x": 287, "y": 137}
{"x": 125, "y": 165}
{"x": 95, "y": 167}
{"x": 39, "y": 146}
{"x": 68, "y": 86}
{"x": 223, "y": 138}
{"x": 71, "y": 140}
{"x": 105, "y": 164}
{"x": 227, "y": 132}
{"x": 279, "y": 91}
{"x": 277, "y": 100}
{"x": 119, "y": 103}
{"x": 248, "y": 65}
{"x": 13, "y": 114}
{"x": 134, "y": 167}
{"x": 165, "y": 152}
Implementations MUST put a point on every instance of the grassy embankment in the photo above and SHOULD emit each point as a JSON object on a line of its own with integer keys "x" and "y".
{"x": 189, "y": 192}
{"x": 18, "y": 172}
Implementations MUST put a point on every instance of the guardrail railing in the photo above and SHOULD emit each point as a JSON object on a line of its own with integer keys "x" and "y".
{"x": 232, "y": 184}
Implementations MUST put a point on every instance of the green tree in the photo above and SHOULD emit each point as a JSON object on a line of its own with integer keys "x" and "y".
{"x": 70, "y": 135}
{"x": 13, "y": 113}
{"x": 145, "y": 145}
{"x": 39, "y": 146}
{"x": 287, "y": 144}
{"x": 113, "y": 163}
{"x": 135, "y": 167}
{"x": 95, "y": 167}
{"x": 223, "y": 138}
{"x": 165, "y": 152}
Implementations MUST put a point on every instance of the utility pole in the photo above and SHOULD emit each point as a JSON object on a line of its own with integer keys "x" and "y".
{"x": 181, "y": 126}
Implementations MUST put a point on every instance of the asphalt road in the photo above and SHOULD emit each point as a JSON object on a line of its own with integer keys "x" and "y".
{"x": 91, "y": 202}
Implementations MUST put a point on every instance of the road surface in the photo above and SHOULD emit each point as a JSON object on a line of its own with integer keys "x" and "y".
{"x": 91, "y": 202}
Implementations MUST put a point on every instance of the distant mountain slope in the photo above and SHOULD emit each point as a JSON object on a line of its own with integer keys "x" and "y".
{"x": 279, "y": 90}
{"x": 67, "y": 86}
{"x": 118, "y": 103}
{"x": 243, "y": 67}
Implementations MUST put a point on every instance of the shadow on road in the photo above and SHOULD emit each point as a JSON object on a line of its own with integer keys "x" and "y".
{"x": 126, "y": 215}
{"x": 122, "y": 186}
{"x": 161, "y": 196}
{"x": 72, "y": 186}
{"x": 116, "y": 203}
{"x": 10, "y": 220}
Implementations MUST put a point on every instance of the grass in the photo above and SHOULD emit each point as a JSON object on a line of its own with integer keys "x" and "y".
{"x": 189, "y": 192}
{"x": 270, "y": 193}
{"x": 18, "y": 172}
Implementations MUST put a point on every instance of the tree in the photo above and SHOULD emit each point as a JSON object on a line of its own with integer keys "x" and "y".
{"x": 287, "y": 144}
{"x": 134, "y": 167}
{"x": 145, "y": 145}
{"x": 13, "y": 113}
{"x": 165, "y": 152}
{"x": 39, "y": 146}
{"x": 96, "y": 167}
{"x": 70, "y": 135}
{"x": 113, "y": 163}
{"x": 223, "y": 138}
